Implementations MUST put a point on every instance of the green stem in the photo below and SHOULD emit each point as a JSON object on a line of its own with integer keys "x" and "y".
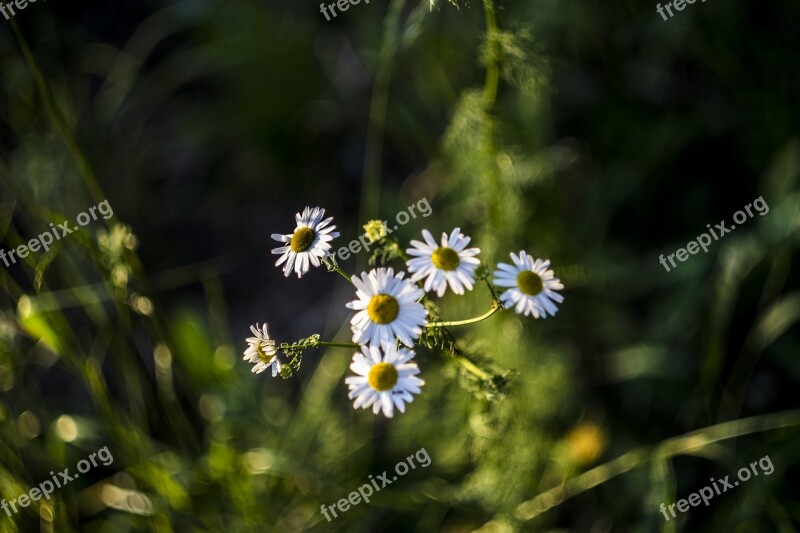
{"x": 495, "y": 308}
{"x": 472, "y": 368}
{"x": 338, "y": 344}
{"x": 402, "y": 253}
{"x": 334, "y": 267}
{"x": 491, "y": 289}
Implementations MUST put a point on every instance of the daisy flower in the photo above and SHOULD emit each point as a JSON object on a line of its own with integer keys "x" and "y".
{"x": 262, "y": 351}
{"x": 310, "y": 242}
{"x": 451, "y": 263}
{"x": 387, "y": 308}
{"x": 384, "y": 380}
{"x": 532, "y": 286}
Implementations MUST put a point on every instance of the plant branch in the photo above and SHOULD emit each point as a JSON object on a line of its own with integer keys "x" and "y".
{"x": 338, "y": 344}
{"x": 496, "y": 306}
{"x": 333, "y": 267}
{"x": 472, "y": 368}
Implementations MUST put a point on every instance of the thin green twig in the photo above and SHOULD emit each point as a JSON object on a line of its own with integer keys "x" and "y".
{"x": 494, "y": 308}
{"x": 692, "y": 441}
{"x": 336, "y": 268}
{"x": 472, "y": 368}
{"x": 338, "y": 344}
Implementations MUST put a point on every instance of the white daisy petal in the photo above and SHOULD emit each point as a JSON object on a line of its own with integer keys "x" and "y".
{"x": 360, "y": 365}
{"x": 309, "y": 242}
{"x": 262, "y": 351}
{"x": 530, "y": 286}
{"x": 398, "y": 401}
{"x": 450, "y": 264}
{"x": 390, "y": 379}
{"x": 386, "y": 403}
{"x": 387, "y": 308}
{"x": 429, "y": 238}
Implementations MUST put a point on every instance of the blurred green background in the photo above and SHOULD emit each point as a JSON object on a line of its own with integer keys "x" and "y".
{"x": 591, "y": 133}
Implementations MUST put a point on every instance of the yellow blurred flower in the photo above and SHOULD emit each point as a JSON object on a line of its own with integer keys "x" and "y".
{"x": 586, "y": 442}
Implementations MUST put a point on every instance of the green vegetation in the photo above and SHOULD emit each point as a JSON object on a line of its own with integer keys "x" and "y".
{"x": 593, "y": 134}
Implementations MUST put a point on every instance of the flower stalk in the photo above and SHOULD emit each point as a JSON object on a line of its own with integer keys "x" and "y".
{"x": 496, "y": 306}
{"x": 333, "y": 267}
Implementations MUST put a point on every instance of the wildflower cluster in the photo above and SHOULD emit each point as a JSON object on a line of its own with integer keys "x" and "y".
{"x": 394, "y": 313}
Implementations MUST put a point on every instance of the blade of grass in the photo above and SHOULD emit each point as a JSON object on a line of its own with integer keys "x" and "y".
{"x": 668, "y": 448}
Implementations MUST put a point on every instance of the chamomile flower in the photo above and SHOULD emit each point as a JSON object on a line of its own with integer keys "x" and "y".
{"x": 451, "y": 263}
{"x": 384, "y": 379}
{"x": 387, "y": 308}
{"x": 375, "y": 230}
{"x": 531, "y": 286}
{"x": 310, "y": 242}
{"x": 262, "y": 351}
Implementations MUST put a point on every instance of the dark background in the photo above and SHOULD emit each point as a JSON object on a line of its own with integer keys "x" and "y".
{"x": 614, "y": 137}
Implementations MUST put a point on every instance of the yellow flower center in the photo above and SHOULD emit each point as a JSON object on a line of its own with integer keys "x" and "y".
{"x": 445, "y": 258}
{"x": 382, "y": 376}
{"x": 262, "y": 354}
{"x": 383, "y": 309}
{"x": 302, "y": 240}
{"x": 529, "y": 282}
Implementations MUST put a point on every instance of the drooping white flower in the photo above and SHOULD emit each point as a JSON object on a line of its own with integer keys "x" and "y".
{"x": 451, "y": 263}
{"x": 387, "y": 308}
{"x": 262, "y": 351}
{"x": 531, "y": 285}
{"x": 310, "y": 242}
{"x": 384, "y": 379}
